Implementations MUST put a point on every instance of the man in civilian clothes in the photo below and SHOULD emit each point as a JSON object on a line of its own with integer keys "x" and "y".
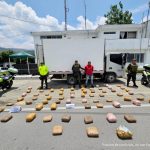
{"x": 89, "y": 74}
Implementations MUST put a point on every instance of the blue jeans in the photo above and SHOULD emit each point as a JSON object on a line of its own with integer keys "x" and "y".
{"x": 87, "y": 79}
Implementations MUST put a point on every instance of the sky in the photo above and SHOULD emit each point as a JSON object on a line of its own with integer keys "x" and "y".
{"x": 48, "y": 15}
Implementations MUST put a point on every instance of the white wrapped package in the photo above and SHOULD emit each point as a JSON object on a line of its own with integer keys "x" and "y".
{"x": 24, "y": 94}
{"x": 70, "y": 106}
{"x": 136, "y": 102}
{"x": 111, "y": 118}
{"x": 116, "y": 104}
{"x": 15, "y": 109}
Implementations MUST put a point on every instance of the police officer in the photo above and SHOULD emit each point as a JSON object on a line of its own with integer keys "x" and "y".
{"x": 77, "y": 73}
{"x": 132, "y": 71}
{"x": 43, "y": 71}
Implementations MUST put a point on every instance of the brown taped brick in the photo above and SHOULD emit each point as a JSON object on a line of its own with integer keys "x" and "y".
{"x": 2, "y": 108}
{"x": 34, "y": 98}
{"x": 61, "y": 97}
{"x": 72, "y": 89}
{"x": 119, "y": 94}
{"x": 87, "y": 106}
{"x": 39, "y": 106}
{"x": 47, "y": 118}
{"x": 99, "y": 105}
{"x": 28, "y": 91}
{"x": 9, "y": 104}
{"x": 49, "y": 97}
{"x": 104, "y": 91}
{"x": 20, "y": 99}
{"x": 88, "y": 119}
{"x": 84, "y": 100}
{"x": 95, "y": 101}
{"x": 91, "y": 95}
{"x": 82, "y": 95}
{"x": 41, "y": 91}
{"x": 58, "y": 101}
{"x": 52, "y": 90}
{"x": 61, "y": 93}
{"x": 92, "y": 132}
{"x": 101, "y": 95}
{"x": 57, "y": 130}
{"x": 109, "y": 100}
{"x": 131, "y": 93}
{"x": 47, "y": 94}
{"x": 45, "y": 102}
{"x": 113, "y": 90}
{"x": 130, "y": 118}
{"x": 6, "y": 118}
{"x": 140, "y": 98}
{"x": 127, "y": 98}
{"x": 30, "y": 117}
{"x": 28, "y": 102}
{"x": 36, "y": 94}
{"x": 66, "y": 118}
{"x": 53, "y": 106}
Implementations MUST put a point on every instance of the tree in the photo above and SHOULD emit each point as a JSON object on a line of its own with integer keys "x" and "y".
{"x": 116, "y": 15}
{"x": 4, "y": 55}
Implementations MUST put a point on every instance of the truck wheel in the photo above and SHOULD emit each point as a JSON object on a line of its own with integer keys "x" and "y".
{"x": 110, "y": 77}
{"x": 71, "y": 80}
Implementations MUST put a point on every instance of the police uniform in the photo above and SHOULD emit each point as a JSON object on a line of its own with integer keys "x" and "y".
{"x": 132, "y": 71}
{"x": 43, "y": 71}
{"x": 77, "y": 73}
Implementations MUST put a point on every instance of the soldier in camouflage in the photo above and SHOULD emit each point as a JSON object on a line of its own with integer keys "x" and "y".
{"x": 132, "y": 71}
{"x": 77, "y": 73}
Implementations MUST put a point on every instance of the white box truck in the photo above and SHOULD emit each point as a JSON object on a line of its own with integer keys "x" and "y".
{"x": 60, "y": 54}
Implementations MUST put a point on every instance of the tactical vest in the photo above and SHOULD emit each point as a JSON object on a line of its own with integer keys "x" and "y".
{"x": 133, "y": 68}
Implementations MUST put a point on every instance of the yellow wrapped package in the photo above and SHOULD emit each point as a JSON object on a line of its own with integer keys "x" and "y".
{"x": 124, "y": 133}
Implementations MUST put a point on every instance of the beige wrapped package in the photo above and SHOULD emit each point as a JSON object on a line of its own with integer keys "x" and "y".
{"x": 109, "y": 100}
{"x": 53, "y": 106}
{"x": 104, "y": 91}
{"x": 24, "y": 94}
{"x": 91, "y": 95}
{"x": 6, "y": 118}
{"x": 34, "y": 98}
{"x": 87, "y": 106}
{"x": 47, "y": 118}
{"x": 99, "y": 105}
{"x": 131, "y": 93}
{"x": 61, "y": 93}
{"x": 58, "y": 101}
{"x": 113, "y": 90}
{"x": 72, "y": 89}
{"x": 84, "y": 91}
{"x": 2, "y": 108}
{"x": 95, "y": 101}
{"x": 47, "y": 94}
{"x": 92, "y": 90}
{"x": 88, "y": 119}
{"x": 92, "y": 132}
{"x": 41, "y": 91}
{"x": 82, "y": 95}
{"x": 28, "y": 91}
{"x": 39, "y": 106}
{"x": 36, "y": 94}
{"x": 127, "y": 98}
{"x": 49, "y": 97}
{"x": 45, "y": 102}
{"x": 9, "y": 104}
{"x": 84, "y": 100}
{"x": 140, "y": 98}
{"x": 30, "y": 117}
{"x": 29, "y": 88}
{"x": 62, "y": 89}
{"x": 28, "y": 102}
{"x": 61, "y": 97}
{"x": 57, "y": 130}
{"x": 120, "y": 94}
{"x": 72, "y": 95}
{"x": 101, "y": 95}
{"x": 20, "y": 99}
{"x": 51, "y": 90}
{"x": 66, "y": 118}
{"x": 129, "y": 118}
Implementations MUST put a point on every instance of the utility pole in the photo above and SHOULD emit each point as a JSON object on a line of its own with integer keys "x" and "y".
{"x": 147, "y": 19}
{"x": 66, "y": 10}
{"x": 85, "y": 13}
